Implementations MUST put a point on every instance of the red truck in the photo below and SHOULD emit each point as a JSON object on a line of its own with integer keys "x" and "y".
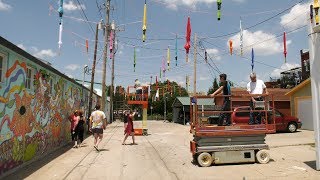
{"x": 283, "y": 122}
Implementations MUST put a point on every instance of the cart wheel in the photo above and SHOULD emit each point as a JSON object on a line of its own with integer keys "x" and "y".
{"x": 263, "y": 156}
{"x": 204, "y": 159}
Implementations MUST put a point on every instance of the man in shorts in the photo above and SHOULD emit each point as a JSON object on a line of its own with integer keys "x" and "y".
{"x": 97, "y": 124}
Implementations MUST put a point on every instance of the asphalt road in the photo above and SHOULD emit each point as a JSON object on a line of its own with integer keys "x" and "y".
{"x": 164, "y": 154}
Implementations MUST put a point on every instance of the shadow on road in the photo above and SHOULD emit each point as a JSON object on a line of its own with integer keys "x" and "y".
{"x": 311, "y": 164}
{"x": 26, "y": 170}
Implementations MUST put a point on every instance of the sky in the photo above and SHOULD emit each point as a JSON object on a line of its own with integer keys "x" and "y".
{"x": 34, "y": 27}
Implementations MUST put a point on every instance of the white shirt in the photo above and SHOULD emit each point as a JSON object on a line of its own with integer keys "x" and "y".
{"x": 256, "y": 87}
{"x": 97, "y": 119}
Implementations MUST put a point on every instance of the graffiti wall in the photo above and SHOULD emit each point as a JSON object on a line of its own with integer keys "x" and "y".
{"x": 35, "y": 102}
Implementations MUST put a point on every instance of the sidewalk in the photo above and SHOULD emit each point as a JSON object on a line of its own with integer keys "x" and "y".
{"x": 164, "y": 154}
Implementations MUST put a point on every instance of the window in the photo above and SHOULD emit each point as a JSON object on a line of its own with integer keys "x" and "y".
{"x": 3, "y": 65}
{"x": 28, "y": 82}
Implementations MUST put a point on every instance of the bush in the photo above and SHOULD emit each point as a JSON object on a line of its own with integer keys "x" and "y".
{"x": 156, "y": 117}
{"x": 169, "y": 117}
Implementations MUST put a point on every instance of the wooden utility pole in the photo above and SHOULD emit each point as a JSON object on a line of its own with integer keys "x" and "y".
{"x": 112, "y": 75}
{"x": 93, "y": 71}
{"x": 195, "y": 66}
{"x": 104, "y": 66}
{"x": 194, "y": 76}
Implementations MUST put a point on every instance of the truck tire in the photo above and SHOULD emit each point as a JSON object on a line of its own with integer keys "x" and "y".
{"x": 262, "y": 156}
{"x": 205, "y": 159}
{"x": 292, "y": 127}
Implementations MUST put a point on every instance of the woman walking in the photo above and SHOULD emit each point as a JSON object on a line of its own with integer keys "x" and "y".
{"x": 74, "y": 119}
{"x": 80, "y": 127}
{"x": 129, "y": 128}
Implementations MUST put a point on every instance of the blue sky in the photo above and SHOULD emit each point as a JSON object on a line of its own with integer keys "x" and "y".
{"x": 34, "y": 26}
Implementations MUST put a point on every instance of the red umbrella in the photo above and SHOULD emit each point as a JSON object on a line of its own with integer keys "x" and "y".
{"x": 188, "y": 34}
{"x": 285, "y": 47}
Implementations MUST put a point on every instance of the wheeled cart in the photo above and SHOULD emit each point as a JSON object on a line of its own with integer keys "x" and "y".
{"x": 237, "y": 143}
{"x": 228, "y": 149}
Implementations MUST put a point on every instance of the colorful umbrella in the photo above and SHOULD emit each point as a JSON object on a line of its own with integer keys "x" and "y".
{"x": 230, "y": 47}
{"x": 60, "y": 11}
{"x": 188, "y": 35}
{"x": 285, "y": 47}
{"x": 219, "y": 2}
{"x": 144, "y": 26}
{"x": 252, "y": 59}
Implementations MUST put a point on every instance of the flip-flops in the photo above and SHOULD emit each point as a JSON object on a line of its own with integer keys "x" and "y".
{"x": 96, "y": 148}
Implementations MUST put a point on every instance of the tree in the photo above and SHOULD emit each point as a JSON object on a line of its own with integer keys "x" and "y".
{"x": 214, "y": 87}
{"x": 171, "y": 90}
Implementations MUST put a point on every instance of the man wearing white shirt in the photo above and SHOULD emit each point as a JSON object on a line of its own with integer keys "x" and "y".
{"x": 255, "y": 86}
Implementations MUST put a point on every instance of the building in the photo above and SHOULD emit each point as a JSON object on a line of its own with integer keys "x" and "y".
{"x": 181, "y": 108}
{"x": 301, "y": 103}
{"x": 36, "y": 101}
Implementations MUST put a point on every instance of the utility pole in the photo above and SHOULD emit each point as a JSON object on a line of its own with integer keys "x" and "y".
{"x": 93, "y": 71}
{"x": 194, "y": 76}
{"x": 195, "y": 66}
{"x": 314, "y": 53}
{"x": 104, "y": 66}
{"x": 112, "y": 76}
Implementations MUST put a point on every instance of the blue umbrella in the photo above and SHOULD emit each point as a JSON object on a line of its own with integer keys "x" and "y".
{"x": 252, "y": 60}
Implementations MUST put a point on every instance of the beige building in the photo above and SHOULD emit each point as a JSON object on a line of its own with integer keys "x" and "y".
{"x": 301, "y": 103}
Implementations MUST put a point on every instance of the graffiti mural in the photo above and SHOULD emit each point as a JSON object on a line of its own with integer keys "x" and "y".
{"x": 35, "y": 103}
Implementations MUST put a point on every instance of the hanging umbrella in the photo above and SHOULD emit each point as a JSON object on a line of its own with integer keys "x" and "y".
{"x": 230, "y": 47}
{"x": 144, "y": 27}
{"x": 134, "y": 59}
{"x": 285, "y": 47}
{"x": 252, "y": 59}
{"x": 176, "y": 57}
{"x": 188, "y": 35}
{"x": 219, "y": 2}
{"x": 60, "y": 11}
{"x": 168, "y": 58}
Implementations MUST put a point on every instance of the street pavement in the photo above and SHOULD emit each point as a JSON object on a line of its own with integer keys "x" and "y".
{"x": 164, "y": 154}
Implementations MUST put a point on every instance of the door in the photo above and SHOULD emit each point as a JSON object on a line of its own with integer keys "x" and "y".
{"x": 304, "y": 112}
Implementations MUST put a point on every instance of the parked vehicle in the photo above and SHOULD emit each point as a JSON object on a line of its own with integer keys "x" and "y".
{"x": 283, "y": 122}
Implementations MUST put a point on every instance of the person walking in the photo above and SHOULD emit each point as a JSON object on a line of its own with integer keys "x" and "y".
{"x": 97, "y": 125}
{"x": 255, "y": 87}
{"x": 129, "y": 130}
{"x": 80, "y": 128}
{"x": 225, "y": 89}
{"x": 74, "y": 119}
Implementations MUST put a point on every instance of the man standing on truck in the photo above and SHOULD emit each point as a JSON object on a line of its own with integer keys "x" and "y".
{"x": 225, "y": 88}
{"x": 256, "y": 87}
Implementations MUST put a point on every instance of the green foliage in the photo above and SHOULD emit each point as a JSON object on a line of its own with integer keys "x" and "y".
{"x": 214, "y": 87}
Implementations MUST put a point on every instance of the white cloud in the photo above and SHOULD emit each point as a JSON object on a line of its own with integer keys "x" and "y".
{"x": 45, "y": 53}
{"x": 99, "y": 91}
{"x": 296, "y": 17}
{"x": 284, "y": 67}
{"x": 70, "y": 6}
{"x": 4, "y": 6}
{"x": 72, "y": 67}
{"x": 239, "y": 1}
{"x": 203, "y": 78}
{"x": 173, "y": 4}
{"x": 22, "y": 46}
{"x": 214, "y": 53}
{"x": 262, "y": 43}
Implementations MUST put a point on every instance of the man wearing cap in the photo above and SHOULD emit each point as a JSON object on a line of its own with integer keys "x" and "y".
{"x": 255, "y": 86}
{"x": 225, "y": 88}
